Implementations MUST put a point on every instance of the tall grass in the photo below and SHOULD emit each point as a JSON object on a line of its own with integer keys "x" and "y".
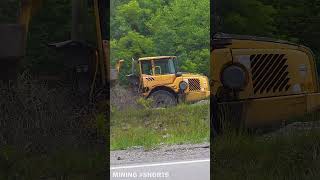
{"x": 47, "y": 133}
{"x": 150, "y": 128}
{"x": 293, "y": 155}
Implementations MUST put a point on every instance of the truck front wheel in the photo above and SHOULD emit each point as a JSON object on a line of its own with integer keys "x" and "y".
{"x": 162, "y": 98}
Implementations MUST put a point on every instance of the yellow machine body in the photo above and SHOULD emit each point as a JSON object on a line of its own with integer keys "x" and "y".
{"x": 155, "y": 74}
{"x": 280, "y": 79}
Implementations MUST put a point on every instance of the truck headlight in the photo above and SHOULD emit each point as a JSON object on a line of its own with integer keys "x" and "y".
{"x": 234, "y": 77}
{"x": 183, "y": 85}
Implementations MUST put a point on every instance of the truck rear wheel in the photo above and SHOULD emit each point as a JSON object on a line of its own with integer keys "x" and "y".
{"x": 163, "y": 98}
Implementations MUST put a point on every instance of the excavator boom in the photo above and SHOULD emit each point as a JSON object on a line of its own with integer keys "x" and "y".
{"x": 27, "y": 10}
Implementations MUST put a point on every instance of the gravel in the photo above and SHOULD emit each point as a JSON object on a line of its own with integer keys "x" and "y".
{"x": 293, "y": 128}
{"x": 201, "y": 102}
{"x": 162, "y": 154}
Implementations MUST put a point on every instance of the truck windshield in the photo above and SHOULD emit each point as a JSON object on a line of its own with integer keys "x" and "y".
{"x": 164, "y": 66}
{"x": 146, "y": 67}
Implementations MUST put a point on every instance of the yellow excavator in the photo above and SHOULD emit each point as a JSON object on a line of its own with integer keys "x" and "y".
{"x": 89, "y": 62}
{"x": 260, "y": 82}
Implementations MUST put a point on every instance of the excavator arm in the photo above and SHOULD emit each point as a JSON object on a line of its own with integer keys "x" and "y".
{"x": 28, "y": 8}
{"x": 101, "y": 9}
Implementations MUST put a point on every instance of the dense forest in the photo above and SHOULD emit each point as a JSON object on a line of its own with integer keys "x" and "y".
{"x": 297, "y": 21}
{"x": 142, "y": 28}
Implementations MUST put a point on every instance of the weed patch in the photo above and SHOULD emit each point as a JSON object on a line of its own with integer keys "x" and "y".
{"x": 293, "y": 155}
{"x": 149, "y": 128}
{"x": 46, "y": 133}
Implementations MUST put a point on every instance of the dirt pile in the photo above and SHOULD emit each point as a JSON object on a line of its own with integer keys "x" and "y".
{"x": 122, "y": 97}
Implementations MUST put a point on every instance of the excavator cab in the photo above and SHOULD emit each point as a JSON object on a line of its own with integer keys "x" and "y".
{"x": 162, "y": 65}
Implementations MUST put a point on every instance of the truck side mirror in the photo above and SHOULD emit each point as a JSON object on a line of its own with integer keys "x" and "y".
{"x": 178, "y": 74}
{"x": 133, "y": 66}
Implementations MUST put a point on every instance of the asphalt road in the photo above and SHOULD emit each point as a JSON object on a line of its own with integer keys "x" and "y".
{"x": 175, "y": 162}
{"x": 175, "y": 170}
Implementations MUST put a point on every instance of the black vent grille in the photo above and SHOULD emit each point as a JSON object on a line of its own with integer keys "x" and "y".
{"x": 194, "y": 85}
{"x": 149, "y": 78}
{"x": 269, "y": 73}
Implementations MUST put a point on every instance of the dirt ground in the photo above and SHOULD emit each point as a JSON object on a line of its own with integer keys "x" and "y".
{"x": 123, "y": 97}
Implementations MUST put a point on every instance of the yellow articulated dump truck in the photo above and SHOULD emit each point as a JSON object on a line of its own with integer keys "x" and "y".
{"x": 158, "y": 78}
{"x": 257, "y": 82}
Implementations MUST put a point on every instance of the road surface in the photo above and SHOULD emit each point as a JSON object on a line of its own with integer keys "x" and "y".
{"x": 185, "y": 162}
{"x": 178, "y": 170}
{"x": 184, "y": 170}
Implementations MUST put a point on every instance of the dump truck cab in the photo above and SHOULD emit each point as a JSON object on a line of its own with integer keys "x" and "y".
{"x": 260, "y": 81}
{"x": 160, "y": 79}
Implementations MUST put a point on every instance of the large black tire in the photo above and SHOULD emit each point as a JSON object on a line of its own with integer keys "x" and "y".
{"x": 163, "y": 99}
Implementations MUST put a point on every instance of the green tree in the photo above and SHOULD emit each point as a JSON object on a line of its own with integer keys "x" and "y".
{"x": 299, "y": 21}
{"x": 129, "y": 17}
{"x": 251, "y": 17}
{"x": 182, "y": 28}
{"x": 162, "y": 27}
{"x": 133, "y": 45}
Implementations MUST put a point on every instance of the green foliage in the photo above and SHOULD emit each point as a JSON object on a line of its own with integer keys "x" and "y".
{"x": 153, "y": 127}
{"x": 129, "y": 17}
{"x": 299, "y": 21}
{"x": 183, "y": 29}
{"x": 246, "y": 17}
{"x": 163, "y": 27}
{"x": 145, "y": 103}
{"x": 133, "y": 45}
{"x": 295, "y": 21}
{"x": 101, "y": 124}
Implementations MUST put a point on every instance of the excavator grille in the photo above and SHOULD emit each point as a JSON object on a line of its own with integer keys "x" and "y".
{"x": 194, "y": 85}
{"x": 269, "y": 73}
